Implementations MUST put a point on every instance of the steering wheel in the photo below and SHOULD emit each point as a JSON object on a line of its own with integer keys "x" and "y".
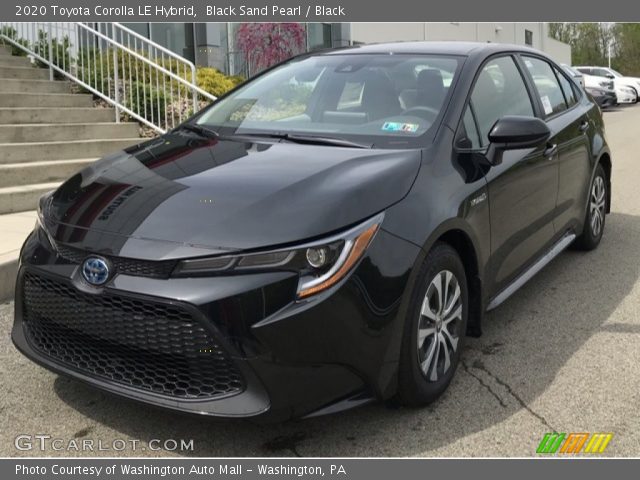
{"x": 427, "y": 113}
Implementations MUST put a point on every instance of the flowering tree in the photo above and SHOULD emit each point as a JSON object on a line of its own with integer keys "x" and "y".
{"x": 265, "y": 44}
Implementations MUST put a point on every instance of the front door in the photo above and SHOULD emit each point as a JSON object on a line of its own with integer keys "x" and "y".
{"x": 524, "y": 187}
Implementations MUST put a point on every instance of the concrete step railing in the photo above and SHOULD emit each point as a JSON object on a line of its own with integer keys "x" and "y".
{"x": 141, "y": 79}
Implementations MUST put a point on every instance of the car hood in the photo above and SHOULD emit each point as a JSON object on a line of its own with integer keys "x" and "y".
{"x": 627, "y": 81}
{"x": 171, "y": 195}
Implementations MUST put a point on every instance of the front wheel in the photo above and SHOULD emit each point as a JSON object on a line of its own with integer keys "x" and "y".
{"x": 435, "y": 328}
{"x": 594, "y": 222}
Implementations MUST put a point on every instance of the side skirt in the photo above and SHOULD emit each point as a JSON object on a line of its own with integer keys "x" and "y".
{"x": 512, "y": 288}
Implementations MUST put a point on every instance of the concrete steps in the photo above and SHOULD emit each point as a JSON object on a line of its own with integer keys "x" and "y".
{"x": 21, "y": 99}
{"x": 53, "y": 132}
{"x": 9, "y": 85}
{"x": 47, "y": 134}
{"x": 41, "y": 151}
{"x": 18, "y": 115}
{"x": 9, "y": 61}
{"x": 19, "y": 174}
{"x": 23, "y": 197}
{"x": 27, "y": 73}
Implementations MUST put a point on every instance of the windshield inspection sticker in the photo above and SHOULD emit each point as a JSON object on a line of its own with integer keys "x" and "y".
{"x": 400, "y": 127}
{"x": 546, "y": 103}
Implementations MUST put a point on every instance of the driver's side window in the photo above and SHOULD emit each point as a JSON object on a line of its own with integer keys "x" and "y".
{"x": 499, "y": 91}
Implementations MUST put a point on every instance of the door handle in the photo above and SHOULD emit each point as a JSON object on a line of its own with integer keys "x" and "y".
{"x": 551, "y": 151}
{"x": 584, "y": 126}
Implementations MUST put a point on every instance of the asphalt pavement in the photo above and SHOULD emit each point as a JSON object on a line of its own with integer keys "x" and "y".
{"x": 562, "y": 354}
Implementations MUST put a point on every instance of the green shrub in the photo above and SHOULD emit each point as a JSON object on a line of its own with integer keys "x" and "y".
{"x": 59, "y": 51}
{"x": 13, "y": 34}
{"x": 142, "y": 98}
{"x": 96, "y": 68}
{"x": 213, "y": 81}
{"x": 237, "y": 79}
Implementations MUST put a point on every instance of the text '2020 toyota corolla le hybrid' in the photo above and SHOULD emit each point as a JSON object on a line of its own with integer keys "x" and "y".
{"x": 324, "y": 235}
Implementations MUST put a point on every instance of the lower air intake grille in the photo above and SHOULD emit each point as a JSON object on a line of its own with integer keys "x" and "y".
{"x": 147, "y": 345}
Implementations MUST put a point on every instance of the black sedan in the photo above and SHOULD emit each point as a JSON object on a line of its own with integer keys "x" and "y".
{"x": 322, "y": 236}
{"x": 604, "y": 98}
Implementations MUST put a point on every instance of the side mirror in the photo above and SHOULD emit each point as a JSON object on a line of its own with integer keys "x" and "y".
{"x": 611, "y": 76}
{"x": 513, "y": 133}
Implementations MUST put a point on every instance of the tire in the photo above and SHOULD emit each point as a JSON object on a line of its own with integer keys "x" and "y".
{"x": 418, "y": 385}
{"x": 595, "y": 217}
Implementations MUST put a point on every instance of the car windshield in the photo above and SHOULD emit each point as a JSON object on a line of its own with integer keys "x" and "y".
{"x": 617, "y": 74}
{"x": 388, "y": 101}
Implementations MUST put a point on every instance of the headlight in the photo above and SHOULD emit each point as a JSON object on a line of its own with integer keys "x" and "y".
{"x": 320, "y": 264}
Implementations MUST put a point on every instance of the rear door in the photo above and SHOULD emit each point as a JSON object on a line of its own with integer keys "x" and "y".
{"x": 569, "y": 123}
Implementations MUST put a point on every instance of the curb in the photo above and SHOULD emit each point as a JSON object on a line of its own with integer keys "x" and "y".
{"x": 8, "y": 272}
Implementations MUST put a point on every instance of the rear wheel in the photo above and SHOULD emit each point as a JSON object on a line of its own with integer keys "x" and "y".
{"x": 435, "y": 328}
{"x": 596, "y": 212}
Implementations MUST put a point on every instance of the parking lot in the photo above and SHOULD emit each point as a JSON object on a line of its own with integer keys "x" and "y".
{"x": 561, "y": 355}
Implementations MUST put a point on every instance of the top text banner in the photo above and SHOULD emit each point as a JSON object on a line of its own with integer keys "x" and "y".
{"x": 320, "y": 11}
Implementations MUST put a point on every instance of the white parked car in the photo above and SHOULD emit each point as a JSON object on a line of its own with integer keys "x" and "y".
{"x": 598, "y": 82}
{"x": 623, "y": 93}
{"x": 623, "y": 84}
{"x": 602, "y": 89}
{"x": 577, "y": 76}
{"x": 626, "y": 94}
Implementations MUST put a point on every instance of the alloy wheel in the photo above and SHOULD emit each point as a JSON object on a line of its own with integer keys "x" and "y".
{"x": 597, "y": 205}
{"x": 438, "y": 326}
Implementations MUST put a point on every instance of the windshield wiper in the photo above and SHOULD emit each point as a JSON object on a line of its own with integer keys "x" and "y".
{"x": 296, "y": 138}
{"x": 310, "y": 139}
{"x": 199, "y": 129}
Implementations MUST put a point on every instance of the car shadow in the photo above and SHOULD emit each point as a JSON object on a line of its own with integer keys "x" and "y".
{"x": 526, "y": 343}
{"x": 618, "y": 108}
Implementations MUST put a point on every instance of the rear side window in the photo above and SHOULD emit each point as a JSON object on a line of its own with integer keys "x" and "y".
{"x": 547, "y": 85}
{"x": 567, "y": 88}
{"x": 499, "y": 90}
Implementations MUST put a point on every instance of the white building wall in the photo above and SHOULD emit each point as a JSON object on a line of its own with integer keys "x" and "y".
{"x": 560, "y": 52}
{"x": 502, "y": 32}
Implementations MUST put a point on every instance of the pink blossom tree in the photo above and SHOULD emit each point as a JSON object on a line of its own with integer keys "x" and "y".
{"x": 265, "y": 44}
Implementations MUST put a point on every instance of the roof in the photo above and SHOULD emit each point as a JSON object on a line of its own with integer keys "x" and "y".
{"x": 427, "y": 47}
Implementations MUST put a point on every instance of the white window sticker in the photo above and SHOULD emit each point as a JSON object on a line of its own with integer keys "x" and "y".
{"x": 546, "y": 103}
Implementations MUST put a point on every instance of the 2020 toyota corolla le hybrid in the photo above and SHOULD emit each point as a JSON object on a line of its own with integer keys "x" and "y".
{"x": 324, "y": 235}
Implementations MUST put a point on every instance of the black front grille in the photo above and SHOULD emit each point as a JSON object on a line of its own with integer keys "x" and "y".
{"x": 151, "y": 346}
{"x": 126, "y": 266}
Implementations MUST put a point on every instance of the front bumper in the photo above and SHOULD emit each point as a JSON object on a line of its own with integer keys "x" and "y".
{"x": 625, "y": 97}
{"x": 285, "y": 358}
{"x": 607, "y": 100}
